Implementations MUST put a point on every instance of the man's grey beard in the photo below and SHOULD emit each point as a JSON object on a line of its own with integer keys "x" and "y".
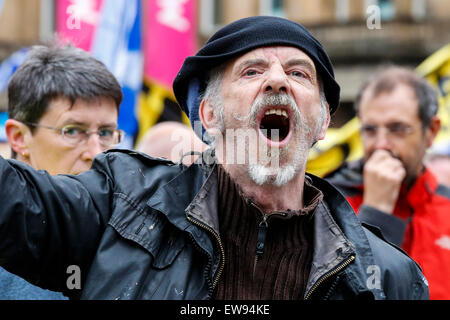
{"x": 261, "y": 173}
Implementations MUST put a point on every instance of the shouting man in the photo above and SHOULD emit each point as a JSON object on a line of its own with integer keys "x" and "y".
{"x": 226, "y": 227}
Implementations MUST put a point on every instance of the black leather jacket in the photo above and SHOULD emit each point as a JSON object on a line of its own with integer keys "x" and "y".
{"x": 145, "y": 228}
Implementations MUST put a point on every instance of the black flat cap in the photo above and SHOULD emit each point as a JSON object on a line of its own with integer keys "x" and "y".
{"x": 240, "y": 37}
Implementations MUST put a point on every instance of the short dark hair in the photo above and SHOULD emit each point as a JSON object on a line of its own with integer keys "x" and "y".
{"x": 56, "y": 71}
{"x": 389, "y": 76}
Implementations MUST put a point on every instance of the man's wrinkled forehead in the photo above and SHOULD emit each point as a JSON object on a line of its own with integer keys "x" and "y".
{"x": 288, "y": 57}
{"x": 242, "y": 36}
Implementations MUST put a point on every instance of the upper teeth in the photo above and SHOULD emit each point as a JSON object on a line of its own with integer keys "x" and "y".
{"x": 279, "y": 112}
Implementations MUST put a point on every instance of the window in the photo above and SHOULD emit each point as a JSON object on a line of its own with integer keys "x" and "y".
{"x": 387, "y": 10}
{"x": 272, "y": 7}
{"x": 342, "y": 10}
{"x": 419, "y": 9}
{"x": 210, "y": 16}
{"x": 212, "y": 11}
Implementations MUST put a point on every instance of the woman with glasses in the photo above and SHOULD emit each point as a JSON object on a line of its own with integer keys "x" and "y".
{"x": 63, "y": 109}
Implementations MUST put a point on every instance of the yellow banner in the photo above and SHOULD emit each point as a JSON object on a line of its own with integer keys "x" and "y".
{"x": 151, "y": 107}
{"x": 436, "y": 69}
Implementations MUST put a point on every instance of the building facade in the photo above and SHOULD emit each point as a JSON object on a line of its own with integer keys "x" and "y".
{"x": 357, "y": 34}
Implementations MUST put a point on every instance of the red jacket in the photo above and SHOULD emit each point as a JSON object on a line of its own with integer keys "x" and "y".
{"x": 420, "y": 223}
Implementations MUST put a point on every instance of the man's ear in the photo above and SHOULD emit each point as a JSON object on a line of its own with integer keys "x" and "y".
{"x": 433, "y": 130}
{"x": 207, "y": 115}
{"x": 16, "y": 132}
{"x": 323, "y": 130}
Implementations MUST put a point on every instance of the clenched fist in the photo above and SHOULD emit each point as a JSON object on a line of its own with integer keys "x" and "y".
{"x": 383, "y": 176}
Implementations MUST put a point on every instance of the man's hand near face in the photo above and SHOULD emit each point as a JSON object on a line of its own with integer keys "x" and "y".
{"x": 383, "y": 175}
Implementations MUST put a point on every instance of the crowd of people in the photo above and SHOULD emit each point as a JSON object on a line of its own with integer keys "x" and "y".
{"x": 227, "y": 212}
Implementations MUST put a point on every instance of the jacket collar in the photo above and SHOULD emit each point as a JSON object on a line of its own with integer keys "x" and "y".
{"x": 191, "y": 195}
{"x": 338, "y": 234}
{"x": 341, "y": 226}
{"x": 331, "y": 248}
{"x": 422, "y": 189}
{"x": 174, "y": 197}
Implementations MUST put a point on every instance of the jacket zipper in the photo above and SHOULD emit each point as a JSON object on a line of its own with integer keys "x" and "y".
{"x": 222, "y": 251}
{"x": 262, "y": 232}
{"x": 261, "y": 238}
{"x": 328, "y": 275}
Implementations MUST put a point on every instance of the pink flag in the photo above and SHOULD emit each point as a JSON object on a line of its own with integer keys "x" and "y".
{"x": 169, "y": 37}
{"x": 76, "y": 21}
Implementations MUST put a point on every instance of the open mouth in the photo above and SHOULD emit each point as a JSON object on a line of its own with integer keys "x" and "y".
{"x": 274, "y": 124}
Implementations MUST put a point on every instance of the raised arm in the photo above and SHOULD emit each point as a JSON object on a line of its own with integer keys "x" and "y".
{"x": 48, "y": 223}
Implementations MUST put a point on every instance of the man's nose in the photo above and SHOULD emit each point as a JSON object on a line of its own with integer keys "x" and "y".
{"x": 276, "y": 81}
{"x": 382, "y": 140}
{"x": 93, "y": 147}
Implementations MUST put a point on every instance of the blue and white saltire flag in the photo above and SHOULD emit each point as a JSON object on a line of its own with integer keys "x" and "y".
{"x": 3, "y": 118}
{"x": 117, "y": 43}
{"x": 9, "y": 66}
{"x": 7, "y": 69}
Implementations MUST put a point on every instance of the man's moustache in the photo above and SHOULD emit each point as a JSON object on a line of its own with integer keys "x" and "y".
{"x": 272, "y": 100}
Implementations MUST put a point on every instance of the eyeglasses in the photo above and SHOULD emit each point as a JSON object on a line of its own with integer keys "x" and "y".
{"x": 75, "y": 134}
{"x": 393, "y": 130}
